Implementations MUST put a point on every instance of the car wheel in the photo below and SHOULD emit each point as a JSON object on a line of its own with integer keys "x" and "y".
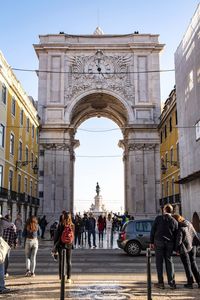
{"x": 133, "y": 248}
{"x": 198, "y": 251}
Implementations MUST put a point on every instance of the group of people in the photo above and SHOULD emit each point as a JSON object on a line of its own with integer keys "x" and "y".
{"x": 171, "y": 232}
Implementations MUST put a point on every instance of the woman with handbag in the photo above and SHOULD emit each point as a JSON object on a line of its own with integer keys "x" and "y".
{"x": 186, "y": 241}
{"x": 64, "y": 238}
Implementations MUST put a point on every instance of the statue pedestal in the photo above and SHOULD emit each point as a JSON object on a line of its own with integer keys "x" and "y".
{"x": 98, "y": 208}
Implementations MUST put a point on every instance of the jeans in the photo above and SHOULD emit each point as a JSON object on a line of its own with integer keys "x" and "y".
{"x": 2, "y": 281}
{"x": 6, "y": 262}
{"x": 93, "y": 233}
{"x": 190, "y": 266}
{"x": 163, "y": 252}
{"x": 31, "y": 248}
{"x": 68, "y": 261}
{"x": 19, "y": 237}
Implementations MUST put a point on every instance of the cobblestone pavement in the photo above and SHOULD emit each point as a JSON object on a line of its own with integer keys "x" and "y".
{"x": 48, "y": 287}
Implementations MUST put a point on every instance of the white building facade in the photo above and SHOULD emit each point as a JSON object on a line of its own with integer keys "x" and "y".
{"x": 187, "y": 66}
{"x": 84, "y": 76}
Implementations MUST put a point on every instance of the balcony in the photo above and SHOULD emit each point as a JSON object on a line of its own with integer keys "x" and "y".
{"x": 22, "y": 198}
{"x": 173, "y": 199}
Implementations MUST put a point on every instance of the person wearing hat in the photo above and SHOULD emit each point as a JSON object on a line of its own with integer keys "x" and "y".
{"x": 3, "y": 225}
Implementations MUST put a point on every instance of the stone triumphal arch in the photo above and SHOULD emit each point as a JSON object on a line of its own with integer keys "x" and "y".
{"x": 82, "y": 76}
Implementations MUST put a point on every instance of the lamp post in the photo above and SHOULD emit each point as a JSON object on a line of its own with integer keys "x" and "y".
{"x": 20, "y": 164}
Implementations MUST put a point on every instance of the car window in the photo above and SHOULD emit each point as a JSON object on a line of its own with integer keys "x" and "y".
{"x": 144, "y": 226}
{"x": 129, "y": 227}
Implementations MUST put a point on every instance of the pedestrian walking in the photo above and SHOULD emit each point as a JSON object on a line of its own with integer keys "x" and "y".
{"x": 185, "y": 246}
{"x": 91, "y": 225}
{"x": 43, "y": 224}
{"x": 3, "y": 290}
{"x": 162, "y": 239}
{"x": 10, "y": 236}
{"x": 19, "y": 227}
{"x": 31, "y": 233}
{"x": 64, "y": 238}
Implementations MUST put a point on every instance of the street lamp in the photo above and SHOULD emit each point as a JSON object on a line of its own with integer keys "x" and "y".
{"x": 20, "y": 164}
{"x": 164, "y": 165}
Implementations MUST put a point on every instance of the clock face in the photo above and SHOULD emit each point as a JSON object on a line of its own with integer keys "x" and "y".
{"x": 101, "y": 67}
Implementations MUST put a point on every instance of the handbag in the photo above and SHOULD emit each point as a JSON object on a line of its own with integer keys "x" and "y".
{"x": 4, "y": 247}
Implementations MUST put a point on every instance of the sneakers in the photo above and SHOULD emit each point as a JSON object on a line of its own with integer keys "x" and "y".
{"x": 159, "y": 285}
{"x": 69, "y": 280}
{"x": 6, "y": 275}
{"x": 5, "y": 291}
{"x": 32, "y": 274}
{"x": 55, "y": 256}
{"x": 28, "y": 273}
{"x": 188, "y": 286}
{"x": 172, "y": 286}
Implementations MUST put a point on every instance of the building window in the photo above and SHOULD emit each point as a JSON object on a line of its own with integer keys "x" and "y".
{"x": 177, "y": 152}
{"x": 162, "y": 190}
{"x": 13, "y": 107}
{"x": 171, "y": 156}
{"x": 10, "y": 180}
{"x": 21, "y": 117}
{"x": 170, "y": 124}
{"x": 173, "y": 192}
{"x": 41, "y": 194}
{"x": 19, "y": 183}
{"x": 26, "y": 154}
{"x": 20, "y": 151}
{"x": 31, "y": 188}
{"x": 25, "y": 185}
{"x": 2, "y": 134}
{"x": 176, "y": 117}
{"x": 36, "y": 189}
{"x": 33, "y": 131}
{"x": 1, "y": 175}
{"x": 27, "y": 124}
{"x": 4, "y": 94}
{"x": 32, "y": 159}
{"x": 166, "y": 160}
{"x": 197, "y": 126}
{"x": 37, "y": 134}
{"x": 165, "y": 131}
{"x": 12, "y": 141}
{"x": 161, "y": 137}
{"x": 167, "y": 189}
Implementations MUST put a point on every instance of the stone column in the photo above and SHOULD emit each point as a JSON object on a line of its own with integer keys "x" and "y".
{"x": 22, "y": 213}
{"x": 58, "y": 178}
{"x": 5, "y": 208}
{"x": 14, "y": 211}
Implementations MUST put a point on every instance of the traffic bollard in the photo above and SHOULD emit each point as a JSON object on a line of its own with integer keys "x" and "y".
{"x": 148, "y": 254}
{"x": 63, "y": 273}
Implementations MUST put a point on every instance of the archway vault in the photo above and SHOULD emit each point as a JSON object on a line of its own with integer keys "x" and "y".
{"x": 99, "y": 104}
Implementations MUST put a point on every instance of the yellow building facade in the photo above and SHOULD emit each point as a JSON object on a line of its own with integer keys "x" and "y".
{"x": 18, "y": 147}
{"x": 169, "y": 154}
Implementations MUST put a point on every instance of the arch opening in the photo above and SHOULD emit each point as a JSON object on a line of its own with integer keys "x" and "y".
{"x": 99, "y": 159}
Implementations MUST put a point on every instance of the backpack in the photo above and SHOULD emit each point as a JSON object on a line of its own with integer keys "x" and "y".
{"x": 67, "y": 235}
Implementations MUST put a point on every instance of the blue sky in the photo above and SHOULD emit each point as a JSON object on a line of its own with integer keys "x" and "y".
{"x": 23, "y": 21}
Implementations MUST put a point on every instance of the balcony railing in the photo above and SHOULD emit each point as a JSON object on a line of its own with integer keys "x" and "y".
{"x": 173, "y": 199}
{"x": 18, "y": 197}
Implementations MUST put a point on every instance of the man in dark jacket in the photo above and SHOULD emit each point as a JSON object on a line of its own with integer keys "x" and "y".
{"x": 162, "y": 239}
{"x": 91, "y": 226}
